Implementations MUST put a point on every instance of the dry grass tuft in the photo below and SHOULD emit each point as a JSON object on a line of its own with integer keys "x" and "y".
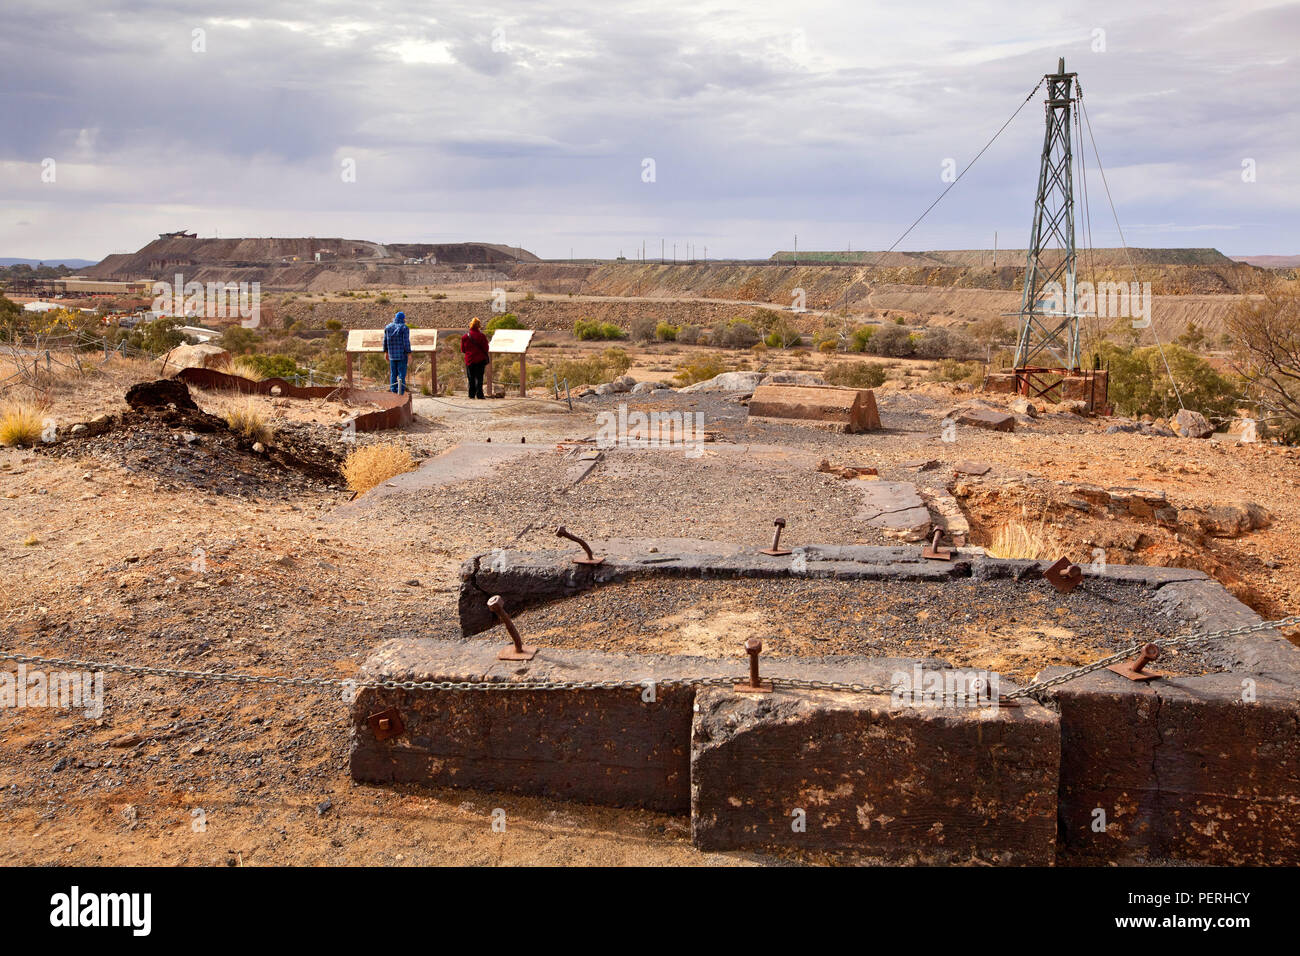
{"x": 372, "y": 465}
{"x": 20, "y": 424}
{"x": 247, "y": 421}
{"x": 1015, "y": 539}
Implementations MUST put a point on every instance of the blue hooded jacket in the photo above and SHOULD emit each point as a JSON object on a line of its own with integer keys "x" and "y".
{"x": 397, "y": 338}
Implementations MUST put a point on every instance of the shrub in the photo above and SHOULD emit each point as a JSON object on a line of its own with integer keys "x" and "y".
{"x": 643, "y": 329}
{"x": 782, "y": 334}
{"x": 699, "y": 369}
{"x": 372, "y": 465}
{"x": 828, "y": 346}
{"x": 507, "y": 321}
{"x": 944, "y": 343}
{"x": 950, "y": 370}
{"x": 247, "y": 422}
{"x": 270, "y": 366}
{"x": 1139, "y": 382}
{"x": 892, "y": 341}
{"x": 856, "y": 374}
{"x": 666, "y": 332}
{"x": 589, "y": 330}
{"x": 594, "y": 370}
{"x": 736, "y": 334}
{"x": 860, "y": 336}
{"x": 20, "y": 424}
{"x": 334, "y": 325}
{"x": 688, "y": 334}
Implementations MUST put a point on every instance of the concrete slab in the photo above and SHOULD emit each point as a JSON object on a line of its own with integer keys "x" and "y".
{"x": 894, "y": 507}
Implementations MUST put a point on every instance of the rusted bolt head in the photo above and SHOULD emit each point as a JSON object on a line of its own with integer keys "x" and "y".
{"x": 384, "y": 723}
{"x": 753, "y": 645}
{"x": 494, "y": 602}
{"x": 561, "y": 531}
{"x": 779, "y": 522}
{"x": 1151, "y": 652}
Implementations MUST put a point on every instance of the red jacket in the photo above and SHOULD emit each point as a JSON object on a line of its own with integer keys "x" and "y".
{"x": 474, "y": 346}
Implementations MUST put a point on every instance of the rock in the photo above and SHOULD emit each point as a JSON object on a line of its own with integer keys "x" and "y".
{"x": 986, "y": 418}
{"x": 78, "y": 428}
{"x": 1234, "y": 518}
{"x": 160, "y": 394}
{"x": 259, "y": 447}
{"x": 605, "y": 389}
{"x": 324, "y": 806}
{"x": 190, "y": 438}
{"x": 1123, "y": 427}
{"x": 976, "y": 468}
{"x": 196, "y": 356}
{"x": 642, "y": 388}
{"x": 728, "y": 382}
{"x": 662, "y": 391}
{"x": 1190, "y": 424}
{"x": 623, "y": 383}
{"x": 1023, "y": 406}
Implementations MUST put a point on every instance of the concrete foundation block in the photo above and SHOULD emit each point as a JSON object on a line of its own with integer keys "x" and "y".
{"x": 907, "y": 784}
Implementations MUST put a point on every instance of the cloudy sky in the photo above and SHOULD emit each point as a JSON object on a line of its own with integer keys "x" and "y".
{"x": 531, "y": 122}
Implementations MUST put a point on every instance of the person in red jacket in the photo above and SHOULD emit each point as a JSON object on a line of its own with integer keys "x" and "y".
{"x": 474, "y": 347}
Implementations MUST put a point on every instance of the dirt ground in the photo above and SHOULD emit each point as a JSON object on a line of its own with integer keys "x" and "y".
{"x": 104, "y": 562}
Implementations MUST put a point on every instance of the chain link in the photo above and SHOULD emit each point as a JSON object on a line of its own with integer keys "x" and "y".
{"x": 1193, "y": 638}
{"x": 792, "y": 683}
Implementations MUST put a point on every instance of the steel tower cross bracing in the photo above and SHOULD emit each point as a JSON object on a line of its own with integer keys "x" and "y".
{"x": 1049, "y": 333}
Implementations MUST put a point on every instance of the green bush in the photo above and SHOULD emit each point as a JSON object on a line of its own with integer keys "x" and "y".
{"x": 666, "y": 332}
{"x": 856, "y": 374}
{"x": 1139, "y": 382}
{"x": 507, "y": 321}
{"x": 591, "y": 330}
{"x": 860, "y": 336}
{"x": 275, "y": 366}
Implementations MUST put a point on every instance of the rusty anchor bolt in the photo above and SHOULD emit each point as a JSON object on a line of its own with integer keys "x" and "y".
{"x": 753, "y": 646}
{"x": 776, "y": 548}
{"x": 518, "y": 651}
{"x": 563, "y": 532}
{"x": 1136, "y": 668}
{"x": 1149, "y": 653}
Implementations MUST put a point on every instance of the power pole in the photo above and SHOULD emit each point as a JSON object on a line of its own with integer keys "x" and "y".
{"x": 1052, "y": 339}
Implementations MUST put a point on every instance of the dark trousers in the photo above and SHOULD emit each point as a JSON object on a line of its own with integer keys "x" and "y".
{"x": 475, "y": 372}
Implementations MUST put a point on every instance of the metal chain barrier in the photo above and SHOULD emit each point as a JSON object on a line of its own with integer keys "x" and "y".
{"x": 1118, "y": 656}
{"x": 341, "y": 683}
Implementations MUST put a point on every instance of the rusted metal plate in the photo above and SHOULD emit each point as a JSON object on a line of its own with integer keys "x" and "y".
{"x": 385, "y": 724}
{"x": 1064, "y": 575}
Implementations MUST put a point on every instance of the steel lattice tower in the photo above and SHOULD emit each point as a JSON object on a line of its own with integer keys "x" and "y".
{"x": 1050, "y": 339}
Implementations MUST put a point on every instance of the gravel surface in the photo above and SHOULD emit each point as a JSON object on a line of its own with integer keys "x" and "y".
{"x": 1016, "y": 628}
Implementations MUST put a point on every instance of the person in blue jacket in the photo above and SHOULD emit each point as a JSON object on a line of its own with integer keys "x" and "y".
{"x": 397, "y": 349}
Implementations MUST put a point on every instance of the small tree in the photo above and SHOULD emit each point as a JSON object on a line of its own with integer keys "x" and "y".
{"x": 1265, "y": 338}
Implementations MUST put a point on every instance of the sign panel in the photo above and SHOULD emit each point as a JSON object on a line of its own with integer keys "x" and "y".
{"x": 372, "y": 340}
{"x": 510, "y": 341}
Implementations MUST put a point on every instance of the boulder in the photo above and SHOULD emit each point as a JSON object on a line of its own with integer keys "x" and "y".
{"x": 1234, "y": 518}
{"x": 1023, "y": 406}
{"x": 1190, "y": 424}
{"x": 642, "y": 388}
{"x": 196, "y": 356}
{"x": 623, "y": 383}
{"x": 728, "y": 382}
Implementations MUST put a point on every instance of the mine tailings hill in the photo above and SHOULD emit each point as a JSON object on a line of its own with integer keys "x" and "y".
{"x": 829, "y": 286}
{"x": 293, "y": 263}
